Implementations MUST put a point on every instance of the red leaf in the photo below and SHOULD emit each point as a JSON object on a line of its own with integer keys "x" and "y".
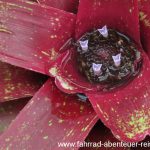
{"x": 9, "y": 111}
{"x": 126, "y": 111}
{"x": 67, "y": 5}
{"x": 18, "y": 83}
{"x": 145, "y": 24}
{"x": 50, "y": 117}
{"x": 101, "y": 134}
{"x": 118, "y": 14}
{"x": 31, "y": 34}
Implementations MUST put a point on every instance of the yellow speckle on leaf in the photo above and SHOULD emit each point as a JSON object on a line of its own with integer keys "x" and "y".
{"x": 144, "y": 19}
{"x": 99, "y": 108}
{"x": 130, "y": 10}
{"x": 64, "y": 103}
{"x": 65, "y": 84}
{"x": 53, "y": 71}
{"x": 53, "y": 54}
{"x": 57, "y": 19}
{"x": 81, "y": 108}
{"x": 30, "y": 2}
{"x": 53, "y": 36}
{"x": 69, "y": 133}
{"x": 45, "y": 53}
{"x": 60, "y": 121}
{"x": 45, "y": 137}
{"x": 50, "y": 123}
{"x": 137, "y": 123}
{"x": 5, "y": 30}
{"x": 12, "y": 5}
{"x": 84, "y": 129}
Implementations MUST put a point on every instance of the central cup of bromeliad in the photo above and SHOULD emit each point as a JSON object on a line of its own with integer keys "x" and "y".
{"x": 108, "y": 57}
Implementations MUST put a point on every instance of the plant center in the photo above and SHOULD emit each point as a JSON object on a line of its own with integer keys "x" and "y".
{"x": 108, "y": 57}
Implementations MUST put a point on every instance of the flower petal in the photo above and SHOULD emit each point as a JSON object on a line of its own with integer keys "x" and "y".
{"x": 67, "y": 5}
{"x": 145, "y": 24}
{"x": 31, "y": 34}
{"x": 9, "y": 111}
{"x": 49, "y": 118}
{"x": 18, "y": 83}
{"x": 118, "y": 14}
{"x": 126, "y": 111}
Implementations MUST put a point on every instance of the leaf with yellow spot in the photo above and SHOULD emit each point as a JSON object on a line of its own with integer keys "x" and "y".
{"x": 33, "y": 130}
{"x": 144, "y": 14}
{"x": 8, "y": 112}
{"x": 25, "y": 33}
{"x": 67, "y": 5}
{"x": 18, "y": 83}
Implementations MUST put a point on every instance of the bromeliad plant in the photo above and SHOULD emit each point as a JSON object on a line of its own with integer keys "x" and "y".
{"x": 95, "y": 55}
